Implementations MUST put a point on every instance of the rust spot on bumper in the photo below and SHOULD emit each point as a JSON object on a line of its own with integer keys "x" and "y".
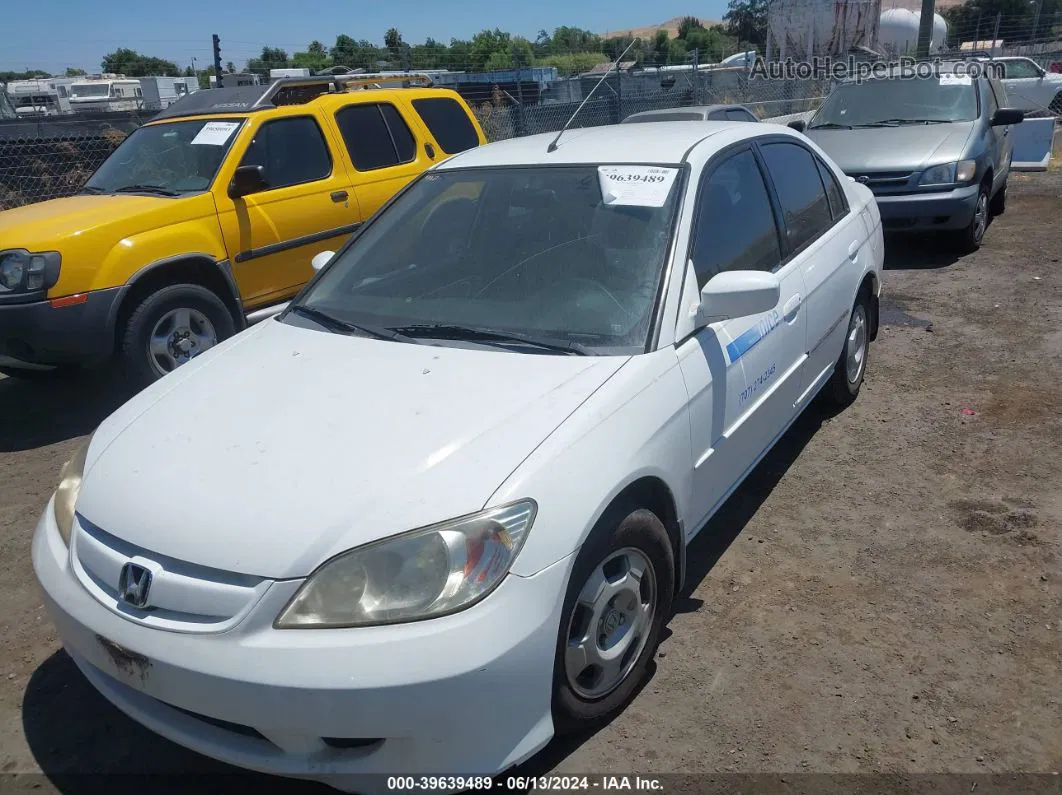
{"x": 128, "y": 662}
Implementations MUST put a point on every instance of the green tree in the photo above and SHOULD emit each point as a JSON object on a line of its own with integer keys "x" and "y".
{"x": 29, "y": 74}
{"x": 712, "y": 44}
{"x": 746, "y": 20}
{"x": 977, "y": 19}
{"x": 315, "y": 58}
{"x": 613, "y": 47}
{"x": 133, "y": 64}
{"x": 661, "y": 48}
{"x": 485, "y": 45}
{"x": 230, "y": 67}
{"x": 393, "y": 41}
{"x": 355, "y": 54}
{"x": 574, "y": 64}
{"x": 688, "y": 25}
{"x": 73, "y": 71}
{"x": 574, "y": 40}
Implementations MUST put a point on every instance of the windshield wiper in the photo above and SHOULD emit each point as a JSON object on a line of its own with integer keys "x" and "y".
{"x": 453, "y": 331}
{"x": 898, "y": 122}
{"x": 146, "y": 189}
{"x": 830, "y": 126}
{"x": 339, "y": 326}
{"x": 91, "y": 189}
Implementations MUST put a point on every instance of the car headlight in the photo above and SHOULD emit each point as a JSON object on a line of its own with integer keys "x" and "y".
{"x": 69, "y": 487}
{"x": 25, "y": 272}
{"x": 950, "y": 173}
{"x": 421, "y": 574}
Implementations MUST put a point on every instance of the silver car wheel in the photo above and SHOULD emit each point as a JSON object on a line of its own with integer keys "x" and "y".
{"x": 178, "y": 337}
{"x": 610, "y": 623}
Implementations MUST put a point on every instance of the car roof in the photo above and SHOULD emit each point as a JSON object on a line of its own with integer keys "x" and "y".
{"x": 700, "y": 110}
{"x": 659, "y": 142}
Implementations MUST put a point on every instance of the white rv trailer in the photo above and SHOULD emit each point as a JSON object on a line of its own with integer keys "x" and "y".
{"x": 106, "y": 92}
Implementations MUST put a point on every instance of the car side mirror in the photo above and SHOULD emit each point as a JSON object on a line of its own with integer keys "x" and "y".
{"x": 734, "y": 294}
{"x": 1006, "y": 116}
{"x": 247, "y": 180}
{"x": 798, "y": 124}
{"x": 322, "y": 259}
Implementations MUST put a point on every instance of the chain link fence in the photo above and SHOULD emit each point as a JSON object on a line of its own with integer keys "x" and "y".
{"x": 53, "y": 157}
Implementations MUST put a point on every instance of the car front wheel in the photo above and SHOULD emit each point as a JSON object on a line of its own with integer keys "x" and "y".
{"x": 171, "y": 327}
{"x": 618, "y": 599}
{"x": 969, "y": 238}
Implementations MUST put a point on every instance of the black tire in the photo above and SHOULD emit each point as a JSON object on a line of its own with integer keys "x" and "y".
{"x": 624, "y": 527}
{"x": 134, "y": 355}
{"x": 843, "y": 388}
{"x": 968, "y": 239}
{"x": 998, "y": 205}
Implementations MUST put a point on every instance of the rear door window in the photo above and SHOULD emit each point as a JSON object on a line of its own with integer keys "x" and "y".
{"x": 448, "y": 123}
{"x": 376, "y": 136}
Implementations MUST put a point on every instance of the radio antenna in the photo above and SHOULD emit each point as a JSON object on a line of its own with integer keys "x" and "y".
{"x": 553, "y": 144}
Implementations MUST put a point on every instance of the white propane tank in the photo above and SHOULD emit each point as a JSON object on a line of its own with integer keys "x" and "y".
{"x": 898, "y": 32}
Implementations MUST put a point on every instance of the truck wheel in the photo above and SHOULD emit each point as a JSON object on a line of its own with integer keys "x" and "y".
{"x": 969, "y": 239}
{"x": 170, "y": 328}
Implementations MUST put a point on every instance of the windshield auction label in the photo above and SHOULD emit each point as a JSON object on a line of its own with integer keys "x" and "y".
{"x": 635, "y": 186}
{"x": 955, "y": 80}
{"x": 215, "y": 133}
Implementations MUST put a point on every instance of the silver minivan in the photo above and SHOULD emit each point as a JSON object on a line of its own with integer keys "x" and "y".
{"x": 935, "y": 150}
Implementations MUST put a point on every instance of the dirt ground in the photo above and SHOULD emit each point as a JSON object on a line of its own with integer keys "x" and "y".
{"x": 883, "y": 595}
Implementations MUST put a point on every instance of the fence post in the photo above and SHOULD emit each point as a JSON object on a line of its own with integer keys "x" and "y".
{"x": 521, "y": 129}
{"x": 696, "y": 76}
{"x": 619, "y": 93}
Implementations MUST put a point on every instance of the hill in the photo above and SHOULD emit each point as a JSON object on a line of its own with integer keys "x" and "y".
{"x": 647, "y": 32}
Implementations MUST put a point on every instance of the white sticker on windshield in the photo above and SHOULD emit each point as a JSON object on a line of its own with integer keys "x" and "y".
{"x": 955, "y": 80}
{"x": 215, "y": 133}
{"x": 636, "y": 186}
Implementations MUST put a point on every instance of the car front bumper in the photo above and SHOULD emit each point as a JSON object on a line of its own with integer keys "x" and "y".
{"x": 39, "y": 333}
{"x": 925, "y": 212}
{"x": 463, "y": 695}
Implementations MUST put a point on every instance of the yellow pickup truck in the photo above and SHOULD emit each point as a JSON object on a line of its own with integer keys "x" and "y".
{"x": 207, "y": 218}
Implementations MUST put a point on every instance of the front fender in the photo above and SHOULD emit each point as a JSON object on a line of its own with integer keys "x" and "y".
{"x": 130, "y": 257}
{"x": 636, "y": 425}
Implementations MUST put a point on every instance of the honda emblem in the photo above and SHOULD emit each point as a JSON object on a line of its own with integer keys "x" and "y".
{"x": 133, "y": 585}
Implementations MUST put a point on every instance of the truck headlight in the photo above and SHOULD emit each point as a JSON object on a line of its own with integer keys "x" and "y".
{"x": 950, "y": 173}
{"x": 421, "y": 574}
{"x": 25, "y": 272}
{"x": 69, "y": 487}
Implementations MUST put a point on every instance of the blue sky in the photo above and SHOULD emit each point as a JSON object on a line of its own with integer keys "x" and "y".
{"x": 53, "y": 34}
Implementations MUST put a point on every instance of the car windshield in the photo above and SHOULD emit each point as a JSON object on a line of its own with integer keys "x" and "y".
{"x": 175, "y": 157}
{"x": 898, "y": 101}
{"x": 571, "y": 256}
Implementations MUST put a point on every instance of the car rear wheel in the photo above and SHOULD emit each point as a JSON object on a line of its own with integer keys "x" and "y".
{"x": 170, "y": 328}
{"x": 851, "y": 367}
{"x": 969, "y": 238}
{"x": 618, "y": 599}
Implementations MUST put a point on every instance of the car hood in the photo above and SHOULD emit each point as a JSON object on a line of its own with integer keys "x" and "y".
{"x": 90, "y": 225}
{"x": 909, "y": 148}
{"x": 285, "y": 445}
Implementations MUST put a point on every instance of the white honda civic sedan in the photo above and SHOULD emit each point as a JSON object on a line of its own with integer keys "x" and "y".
{"x": 437, "y": 510}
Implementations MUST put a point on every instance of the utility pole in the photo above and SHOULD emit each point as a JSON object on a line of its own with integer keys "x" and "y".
{"x": 1036, "y": 18}
{"x": 217, "y": 58}
{"x": 925, "y": 29}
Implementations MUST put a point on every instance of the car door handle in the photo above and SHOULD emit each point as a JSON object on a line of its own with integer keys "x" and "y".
{"x": 853, "y": 251}
{"x": 340, "y": 196}
{"x": 792, "y": 306}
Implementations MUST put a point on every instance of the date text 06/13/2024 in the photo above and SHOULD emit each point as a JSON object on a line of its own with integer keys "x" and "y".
{"x": 522, "y": 783}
